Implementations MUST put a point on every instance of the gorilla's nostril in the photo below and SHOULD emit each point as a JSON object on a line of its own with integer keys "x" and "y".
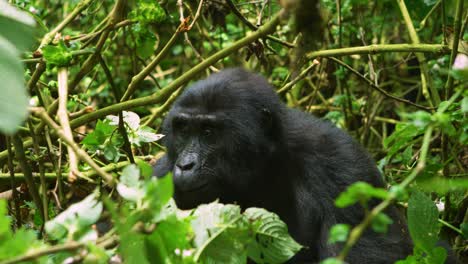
{"x": 186, "y": 166}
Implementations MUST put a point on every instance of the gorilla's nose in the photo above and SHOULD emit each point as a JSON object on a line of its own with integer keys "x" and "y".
{"x": 187, "y": 162}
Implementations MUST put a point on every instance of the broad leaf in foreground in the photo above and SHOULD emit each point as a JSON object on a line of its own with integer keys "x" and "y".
{"x": 272, "y": 243}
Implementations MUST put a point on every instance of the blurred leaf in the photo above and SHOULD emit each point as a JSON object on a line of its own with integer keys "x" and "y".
{"x": 381, "y": 222}
{"x": 130, "y": 186}
{"x": 422, "y": 221}
{"x": 214, "y": 241}
{"x": 443, "y": 185}
{"x": 339, "y": 233}
{"x": 14, "y": 99}
{"x": 17, "y": 27}
{"x": 359, "y": 191}
{"x": 76, "y": 219}
{"x": 332, "y": 261}
{"x": 148, "y": 12}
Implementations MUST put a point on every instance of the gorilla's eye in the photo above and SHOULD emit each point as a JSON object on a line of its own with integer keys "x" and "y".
{"x": 207, "y": 131}
{"x": 180, "y": 127}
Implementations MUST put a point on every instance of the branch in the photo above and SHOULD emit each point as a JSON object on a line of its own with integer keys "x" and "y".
{"x": 371, "y": 84}
{"x": 62, "y": 114}
{"x": 425, "y": 78}
{"x": 162, "y": 94}
{"x": 357, "y": 231}
{"x": 383, "y": 48}
{"x": 456, "y": 38}
{"x": 40, "y": 112}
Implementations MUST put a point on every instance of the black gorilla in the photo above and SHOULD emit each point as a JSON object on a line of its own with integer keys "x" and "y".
{"x": 230, "y": 137}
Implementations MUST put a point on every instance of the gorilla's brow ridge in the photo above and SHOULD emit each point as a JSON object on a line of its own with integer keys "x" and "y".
{"x": 205, "y": 118}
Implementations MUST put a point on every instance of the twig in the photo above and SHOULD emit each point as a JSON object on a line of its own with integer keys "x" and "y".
{"x": 301, "y": 76}
{"x": 21, "y": 157}
{"x": 161, "y": 95}
{"x": 150, "y": 67}
{"x": 456, "y": 38}
{"x": 426, "y": 83}
{"x": 50, "y": 36}
{"x": 371, "y": 84}
{"x": 383, "y": 48}
{"x": 422, "y": 24}
{"x": 62, "y": 115}
{"x": 69, "y": 246}
{"x": 253, "y": 27}
{"x": 12, "y": 183}
{"x": 40, "y": 112}
{"x": 357, "y": 231}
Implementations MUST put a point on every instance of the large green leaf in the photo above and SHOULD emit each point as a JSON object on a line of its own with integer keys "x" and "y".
{"x": 13, "y": 99}
{"x": 220, "y": 231}
{"x": 17, "y": 26}
{"x": 272, "y": 243}
{"x": 15, "y": 36}
{"x": 422, "y": 221}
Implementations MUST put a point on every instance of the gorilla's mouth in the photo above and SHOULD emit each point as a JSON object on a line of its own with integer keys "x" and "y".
{"x": 191, "y": 189}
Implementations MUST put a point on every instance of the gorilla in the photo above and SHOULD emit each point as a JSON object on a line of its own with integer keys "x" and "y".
{"x": 229, "y": 137}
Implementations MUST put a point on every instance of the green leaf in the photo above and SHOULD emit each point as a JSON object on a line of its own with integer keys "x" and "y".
{"x": 148, "y": 12}
{"x": 218, "y": 232}
{"x": 145, "y": 169}
{"x": 437, "y": 256}
{"x": 409, "y": 260}
{"x": 13, "y": 99}
{"x": 381, "y": 222}
{"x": 57, "y": 55}
{"x": 332, "y": 261}
{"x": 272, "y": 243}
{"x": 359, "y": 192}
{"x": 404, "y": 133}
{"x": 102, "y": 132}
{"x": 339, "y": 233}
{"x": 464, "y": 104}
{"x": 16, "y": 26}
{"x": 422, "y": 221}
{"x": 158, "y": 193}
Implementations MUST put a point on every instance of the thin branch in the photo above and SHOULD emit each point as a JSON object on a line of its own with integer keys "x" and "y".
{"x": 301, "y": 76}
{"x": 62, "y": 115}
{"x": 382, "y": 91}
{"x": 50, "y": 36}
{"x": 433, "y": 97}
{"x": 357, "y": 231}
{"x": 24, "y": 164}
{"x": 383, "y": 48}
{"x": 150, "y": 67}
{"x": 456, "y": 38}
{"x": 161, "y": 95}
{"x": 40, "y": 112}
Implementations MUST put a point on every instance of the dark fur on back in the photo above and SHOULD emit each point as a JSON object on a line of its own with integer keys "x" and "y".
{"x": 291, "y": 163}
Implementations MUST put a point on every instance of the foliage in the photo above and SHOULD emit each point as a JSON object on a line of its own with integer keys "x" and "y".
{"x": 123, "y": 63}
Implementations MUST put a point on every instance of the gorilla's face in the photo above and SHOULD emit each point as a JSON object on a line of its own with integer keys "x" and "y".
{"x": 221, "y": 135}
{"x": 214, "y": 156}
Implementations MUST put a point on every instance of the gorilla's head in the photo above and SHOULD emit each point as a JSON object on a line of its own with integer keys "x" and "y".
{"x": 223, "y": 135}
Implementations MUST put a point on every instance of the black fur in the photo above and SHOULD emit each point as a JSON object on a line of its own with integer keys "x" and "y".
{"x": 233, "y": 139}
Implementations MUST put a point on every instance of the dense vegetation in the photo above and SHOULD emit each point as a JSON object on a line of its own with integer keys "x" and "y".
{"x": 85, "y": 85}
